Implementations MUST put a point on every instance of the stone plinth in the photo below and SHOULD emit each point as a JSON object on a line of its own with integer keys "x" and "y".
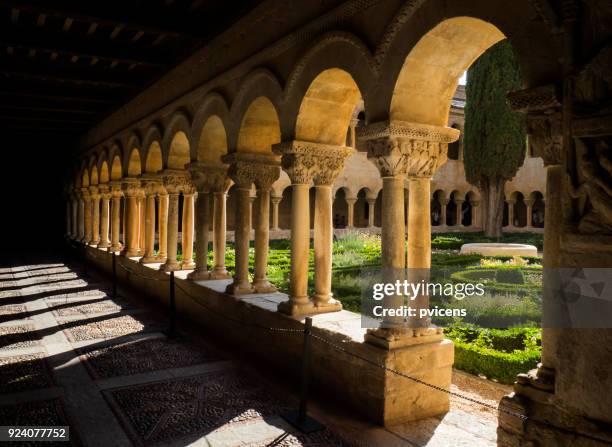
{"x": 495, "y": 249}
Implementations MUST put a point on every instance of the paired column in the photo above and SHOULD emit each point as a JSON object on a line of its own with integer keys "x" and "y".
{"x": 86, "y": 216}
{"x": 443, "y": 208}
{"x": 219, "y": 192}
{"x": 306, "y": 162}
{"x": 241, "y": 284}
{"x": 458, "y": 211}
{"x": 529, "y": 204}
{"x": 371, "y": 211}
{"x": 95, "y": 216}
{"x": 351, "y": 211}
{"x": 202, "y": 179}
{"x": 189, "y": 193}
{"x": 116, "y": 194}
{"x": 105, "y": 197}
{"x": 151, "y": 186}
{"x": 132, "y": 193}
{"x": 142, "y": 212}
{"x": 162, "y": 225}
{"x": 174, "y": 182}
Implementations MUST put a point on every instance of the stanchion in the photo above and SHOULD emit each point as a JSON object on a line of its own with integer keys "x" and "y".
{"x": 171, "y": 328}
{"x": 114, "y": 275}
{"x": 300, "y": 419}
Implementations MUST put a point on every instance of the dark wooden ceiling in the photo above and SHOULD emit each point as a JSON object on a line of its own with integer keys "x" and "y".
{"x": 64, "y": 64}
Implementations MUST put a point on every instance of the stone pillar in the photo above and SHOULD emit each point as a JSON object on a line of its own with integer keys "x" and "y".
{"x": 267, "y": 175}
{"x": 74, "y": 234}
{"x": 116, "y": 194}
{"x": 219, "y": 188}
{"x": 86, "y": 216}
{"x": 459, "y": 212}
{"x": 80, "y": 216}
{"x": 371, "y": 211}
{"x": 174, "y": 182}
{"x": 304, "y": 162}
{"x": 511, "y": 203}
{"x": 142, "y": 215}
{"x": 95, "y": 216}
{"x": 132, "y": 194}
{"x": 529, "y": 204}
{"x": 351, "y": 211}
{"x": 241, "y": 284}
{"x": 187, "y": 230}
{"x": 151, "y": 186}
{"x": 104, "y": 216}
{"x": 475, "y": 213}
{"x": 275, "y": 204}
{"x": 443, "y": 205}
{"x": 162, "y": 224}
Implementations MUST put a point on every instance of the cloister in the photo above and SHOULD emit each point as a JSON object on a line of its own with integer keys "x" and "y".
{"x": 306, "y": 121}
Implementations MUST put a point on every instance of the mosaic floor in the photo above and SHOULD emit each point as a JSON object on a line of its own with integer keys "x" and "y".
{"x": 72, "y": 355}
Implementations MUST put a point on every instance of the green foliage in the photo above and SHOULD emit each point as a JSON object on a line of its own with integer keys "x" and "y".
{"x": 509, "y": 276}
{"x": 495, "y": 138}
{"x": 454, "y": 241}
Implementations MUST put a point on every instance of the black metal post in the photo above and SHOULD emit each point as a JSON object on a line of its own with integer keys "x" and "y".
{"x": 171, "y": 328}
{"x": 114, "y": 275}
{"x": 300, "y": 419}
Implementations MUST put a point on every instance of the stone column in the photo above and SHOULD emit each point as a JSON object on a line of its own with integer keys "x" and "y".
{"x": 95, "y": 216}
{"x": 162, "y": 224}
{"x": 443, "y": 205}
{"x": 275, "y": 204}
{"x": 371, "y": 211}
{"x": 81, "y": 216}
{"x": 219, "y": 188}
{"x": 150, "y": 192}
{"x": 75, "y": 216}
{"x": 266, "y": 173}
{"x": 104, "y": 216}
{"x": 511, "y": 203}
{"x": 187, "y": 230}
{"x": 241, "y": 284}
{"x": 116, "y": 194}
{"x": 132, "y": 194}
{"x": 304, "y": 162}
{"x": 458, "y": 211}
{"x": 475, "y": 213}
{"x": 86, "y": 216}
{"x": 203, "y": 177}
{"x": 529, "y": 204}
{"x": 174, "y": 182}
{"x": 351, "y": 211}
{"x": 142, "y": 215}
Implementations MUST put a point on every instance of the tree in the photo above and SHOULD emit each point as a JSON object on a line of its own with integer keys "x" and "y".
{"x": 495, "y": 140}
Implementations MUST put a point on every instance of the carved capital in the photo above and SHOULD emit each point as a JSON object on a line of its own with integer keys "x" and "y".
{"x": 305, "y": 161}
{"x": 414, "y": 149}
{"x": 116, "y": 189}
{"x": 131, "y": 187}
{"x": 246, "y": 169}
{"x": 150, "y": 183}
{"x": 174, "y": 181}
{"x": 543, "y": 109}
{"x": 205, "y": 176}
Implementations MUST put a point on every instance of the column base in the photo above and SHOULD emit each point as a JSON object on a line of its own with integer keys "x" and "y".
{"x": 148, "y": 260}
{"x": 239, "y": 288}
{"x": 115, "y": 248}
{"x": 130, "y": 253}
{"x": 298, "y": 309}
{"x": 187, "y": 265}
{"x": 220, "y": 274}
{"x": 104, "y": 245}
{"x": 161, "y": 258}
{"x": 264, "y": 286}
{"x": 93, "y": 243}
{"x": 199, "y": 275}
{"x": 395, "y": 338}
{"x": 170, "y": 267}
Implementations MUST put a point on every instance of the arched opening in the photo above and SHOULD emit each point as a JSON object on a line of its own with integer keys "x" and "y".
{"x": 453, "y": 148}
{"x": 284, "y": 209}
{"x": 340, "y": 209}
{"x": 134, "y": 165}
{"x": 85, "y": 178}
{"x": 362, "y": 208}
{"x": 451, "y": 209}
{"x": 104, "y": 172}
{"x": 93, "y": 176}
{"x": 178, "y": 156}
{"x": 260, "y": 128}
{"x": 327, "y": 108}
{"x": 116, "y": 171}
{"x": 429, "y": 76}
{"x": 537, "y": 209}
{"x": 467, "y": 210}
{"x": 154, "y": 163}
{"x": 436, "y": 208}
{"x": 212, "y": 144}
{"x": 520, "y": 210}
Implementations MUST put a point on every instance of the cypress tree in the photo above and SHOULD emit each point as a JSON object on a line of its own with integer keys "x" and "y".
{"x": 495, "y": 138}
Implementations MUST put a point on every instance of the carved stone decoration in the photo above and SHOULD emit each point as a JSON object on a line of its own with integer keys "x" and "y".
{"x": 306, "y": 161}
{"x": 175, "y": 181}
{"x": 206, "y": 177}
{"x": 150, "y": 183}
{"x": 246, "y": 169}
{"x": 544, "y": 124}
{"x": 415, "y": 149}
{"x": 131, "y": 187}
{"x": 116, "y": 189}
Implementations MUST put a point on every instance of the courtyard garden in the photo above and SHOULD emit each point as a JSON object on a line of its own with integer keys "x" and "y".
{"x": 499, "y": 337}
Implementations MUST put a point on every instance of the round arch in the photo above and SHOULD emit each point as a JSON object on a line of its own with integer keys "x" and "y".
{"x": 207, "y": 134}
{"x": 153, "y": 160}
{"x": 134, "y": 164}
{"x": 176, "y": 143}
{"x": 259, "y": 128}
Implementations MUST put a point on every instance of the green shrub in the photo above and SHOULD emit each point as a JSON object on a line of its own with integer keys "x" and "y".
{"x": 509, "y": 276}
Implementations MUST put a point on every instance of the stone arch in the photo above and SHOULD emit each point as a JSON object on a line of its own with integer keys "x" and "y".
{"x": 520, "y": 209}
{"x": 134, "y": 140}
{"x": 84, "y": 176}
{"x": 259, "y": 83}
{"x": 104, "y": 171}
{"x": 152, "y": 139}
{"x": 340, "y": 207}
{"x": 437, "y": 202}
{"x": 538, "y": 209}
{"x": 210, "y": 129}
{"x": 259, "y": 128}
{"x": 405, "y": 31}
{"x": 335, "y": 50}
{"x": 116, "y": 170}
{"x": 154, "y": 159}
{"x": 327, "y": 108}
{"x": 176, "y": 143}
{"x": 93, "y": 170}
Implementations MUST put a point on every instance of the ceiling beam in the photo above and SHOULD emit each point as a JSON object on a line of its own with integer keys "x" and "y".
{"x": 59, "y": 97}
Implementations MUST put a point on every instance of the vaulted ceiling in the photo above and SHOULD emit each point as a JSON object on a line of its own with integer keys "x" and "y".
{"x": 65, "y": 64}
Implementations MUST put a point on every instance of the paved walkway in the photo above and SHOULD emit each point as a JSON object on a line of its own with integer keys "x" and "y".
{"x": 71, "y": 355}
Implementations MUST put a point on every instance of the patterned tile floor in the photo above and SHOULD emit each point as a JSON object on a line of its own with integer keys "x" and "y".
{"x": 72, "y": 355}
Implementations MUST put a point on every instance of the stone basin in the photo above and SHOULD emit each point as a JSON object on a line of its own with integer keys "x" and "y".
{"x": 499, "y": 249}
